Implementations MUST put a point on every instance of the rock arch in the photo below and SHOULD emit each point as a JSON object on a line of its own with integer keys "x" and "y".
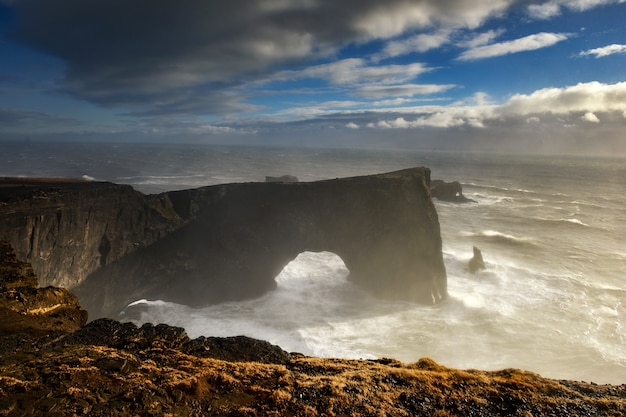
{"x": 238, "y": 237}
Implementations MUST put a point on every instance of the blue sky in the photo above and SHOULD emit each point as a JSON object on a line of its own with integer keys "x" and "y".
{"x": 544, "y": 75}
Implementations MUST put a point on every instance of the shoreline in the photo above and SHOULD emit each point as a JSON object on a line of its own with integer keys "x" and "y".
{"x": 53, "y": 363}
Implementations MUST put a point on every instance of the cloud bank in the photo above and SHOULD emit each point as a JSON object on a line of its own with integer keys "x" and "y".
{"x": 190, "y": 56}
{"x": 208, "y": 67}
{"x": 582, "y": 101}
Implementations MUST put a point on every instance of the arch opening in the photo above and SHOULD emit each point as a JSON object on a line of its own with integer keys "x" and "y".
{"x": 313, "y": 269}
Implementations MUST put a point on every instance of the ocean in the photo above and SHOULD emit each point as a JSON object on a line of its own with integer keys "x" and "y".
{"x": 551, "y": 230}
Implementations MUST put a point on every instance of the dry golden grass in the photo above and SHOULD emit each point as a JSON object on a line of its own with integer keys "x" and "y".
{"x": 160, "y": 381}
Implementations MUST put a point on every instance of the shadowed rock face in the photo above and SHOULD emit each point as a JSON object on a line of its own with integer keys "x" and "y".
{"x": 67, "y": 229}
{"x": 236, "y": 238}
{"x": 24, "y": 308}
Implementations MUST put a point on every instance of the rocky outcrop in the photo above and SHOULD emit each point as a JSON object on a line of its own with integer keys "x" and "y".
{"x": 153, "y": 376}
{"x": 476, "y": 263}
{"x": 67, "y": 229}
{"x": 26, "y": 308}
{"x": 112, "y": 245}
{"x": 448, "y": 191}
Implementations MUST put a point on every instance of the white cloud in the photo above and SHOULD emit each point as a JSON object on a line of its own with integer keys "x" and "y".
{"x": 527, "y": 43}
{"x": 440, "y": 117}
{"x": 418, "y": 43}
{"x": 389, "y": 19}
{"x": 210, "y": 129}
{"x": 591, "y": 97}
{"x": 354, "y": 71}
{"x": 605, "y": 51}
{"x": 352, "y": 125}
{"x": 552, "y": 8}
{"x": 590, "y": 117}
{"x": 481, "y": 39}
{"x": 588, "y": 99}
{"x": 544, "y": 11}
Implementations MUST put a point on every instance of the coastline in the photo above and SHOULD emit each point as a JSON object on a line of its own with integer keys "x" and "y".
{"x": 110, "y": 368}
{"x": 106, "y": 367}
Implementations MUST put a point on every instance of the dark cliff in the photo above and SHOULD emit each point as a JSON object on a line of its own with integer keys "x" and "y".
{"x": 25, "y": 307}
{"x": 113, "y": 245}
{"x": 67, "y": 229}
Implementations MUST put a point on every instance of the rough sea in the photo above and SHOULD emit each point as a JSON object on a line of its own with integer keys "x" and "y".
{"x": 551, "y": 229}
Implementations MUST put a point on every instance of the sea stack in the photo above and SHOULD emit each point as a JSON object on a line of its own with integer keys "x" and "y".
{"x": 476, "y": 263}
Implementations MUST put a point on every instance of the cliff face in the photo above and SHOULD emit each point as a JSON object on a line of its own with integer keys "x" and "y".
{"x": 26, "y": 308}
{"x": 113, "y": 245}
{"x": 68, "y": 229}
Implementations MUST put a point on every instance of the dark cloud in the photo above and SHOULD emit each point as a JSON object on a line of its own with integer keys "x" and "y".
{"x": 186, "y": 56}
{"x": 16, "y": 119}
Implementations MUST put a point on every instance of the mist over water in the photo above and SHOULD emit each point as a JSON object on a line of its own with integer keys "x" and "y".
{"x": 550, "y": 228}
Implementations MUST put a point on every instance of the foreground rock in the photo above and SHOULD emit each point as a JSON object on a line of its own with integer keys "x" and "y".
{"x": 157, "y": 378}
{"x": 107, "y": 368}
{"x": 112, "y": 245}
{"x": 26, "y": 308}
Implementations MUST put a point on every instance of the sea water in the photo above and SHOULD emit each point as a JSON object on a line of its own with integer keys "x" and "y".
{"x": 551, "y": 230}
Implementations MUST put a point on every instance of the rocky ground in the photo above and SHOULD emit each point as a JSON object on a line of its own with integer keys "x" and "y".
{"x": 53, "y": 365}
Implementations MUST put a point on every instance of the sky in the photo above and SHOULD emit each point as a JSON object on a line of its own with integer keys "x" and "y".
{"x": 485, "y": 75}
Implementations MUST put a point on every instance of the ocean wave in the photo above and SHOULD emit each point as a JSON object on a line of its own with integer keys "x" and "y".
{"x": 565, "y": 221}
{"x": 486, "y": 199}
{"x": 499, "y": 237}
{"x": 499, "y": 188}
{"x": 574, "y": 221}
{"x": 160, "y": 179}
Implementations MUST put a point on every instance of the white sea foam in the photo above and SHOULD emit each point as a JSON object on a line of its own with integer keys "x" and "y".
{"x": 574, "y": 221}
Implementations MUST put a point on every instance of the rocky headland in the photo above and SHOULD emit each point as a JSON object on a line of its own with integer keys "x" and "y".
{"x": 112, "y": 245}
{"x": 53, "y": 364}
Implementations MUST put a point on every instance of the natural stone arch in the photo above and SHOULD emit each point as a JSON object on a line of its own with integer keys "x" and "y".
{"x": 238, "y": 237}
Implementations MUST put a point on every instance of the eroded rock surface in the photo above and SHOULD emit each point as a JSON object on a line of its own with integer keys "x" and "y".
{"x": 67, "y": 229}
{"x": 25, "y": 308}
